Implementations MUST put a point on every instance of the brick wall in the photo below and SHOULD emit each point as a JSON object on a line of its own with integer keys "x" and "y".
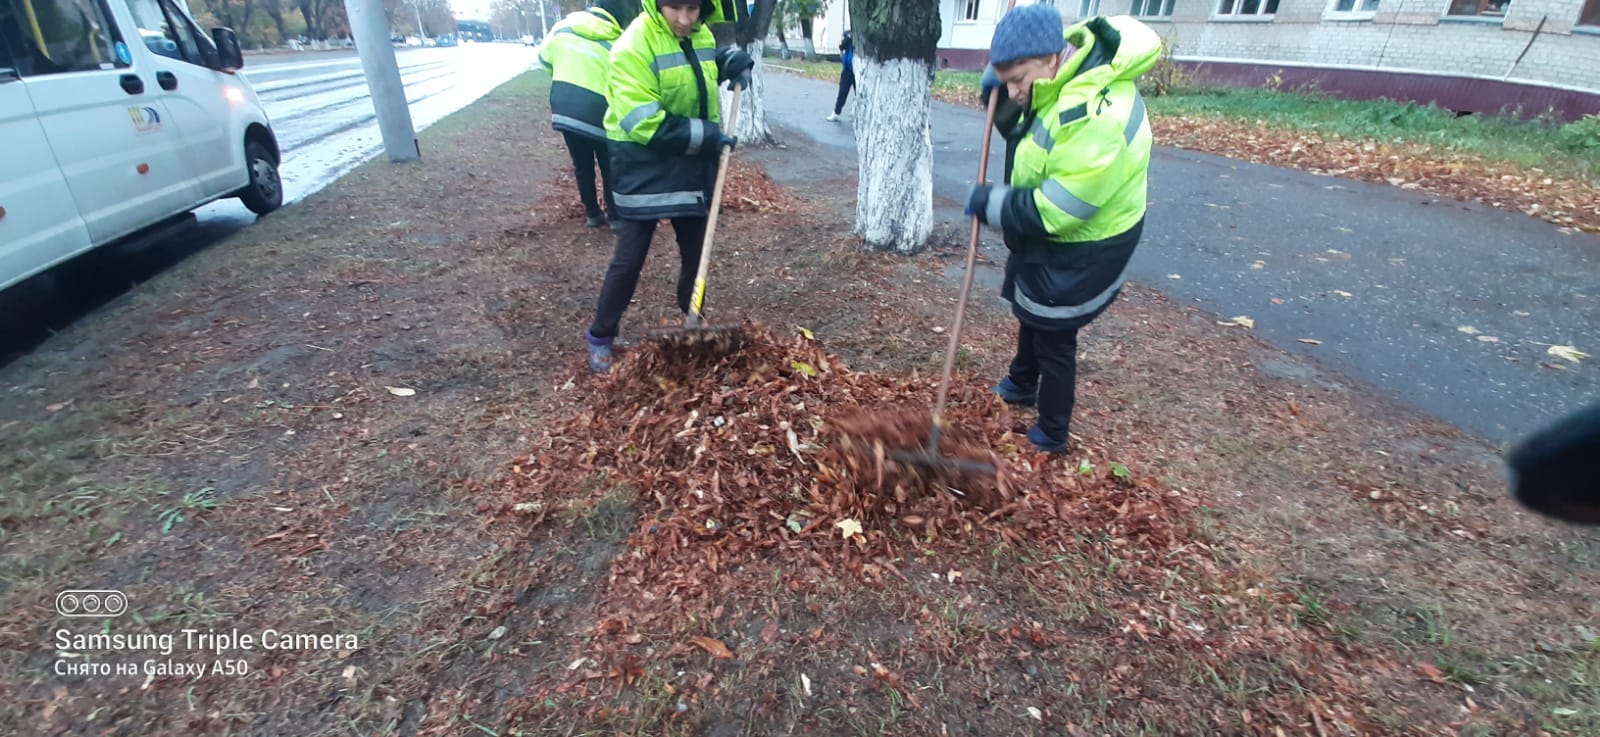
{"x": 1410, "y": 35}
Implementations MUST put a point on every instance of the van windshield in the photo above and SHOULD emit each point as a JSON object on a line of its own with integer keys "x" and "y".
{"x": 56, "y": 36}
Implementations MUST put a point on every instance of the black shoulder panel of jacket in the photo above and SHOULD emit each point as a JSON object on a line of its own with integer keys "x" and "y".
{"x": 1019, "y": 214}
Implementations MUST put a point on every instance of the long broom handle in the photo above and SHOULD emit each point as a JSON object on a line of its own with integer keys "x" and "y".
{"x": 966, "y": 285}
{"x": 966, "y": 282}
{"x": 697, "y": 299}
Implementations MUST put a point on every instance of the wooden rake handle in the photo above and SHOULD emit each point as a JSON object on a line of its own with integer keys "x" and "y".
{"x": 697, "y": 298}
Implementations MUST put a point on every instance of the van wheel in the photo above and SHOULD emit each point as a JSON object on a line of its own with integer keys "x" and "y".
{"x": 264, "y": 193}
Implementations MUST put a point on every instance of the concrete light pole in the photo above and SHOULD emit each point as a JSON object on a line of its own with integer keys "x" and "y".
{"x": 370, "y": 29}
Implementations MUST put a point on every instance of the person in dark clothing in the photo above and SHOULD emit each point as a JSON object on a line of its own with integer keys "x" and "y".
{"x": 847, "y": 75}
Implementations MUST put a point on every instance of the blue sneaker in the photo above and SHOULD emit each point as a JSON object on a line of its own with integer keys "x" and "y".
{"x": 599, "y": 353}
{"x": 1012, "y": 393}
{"x": 1044, "y": 442}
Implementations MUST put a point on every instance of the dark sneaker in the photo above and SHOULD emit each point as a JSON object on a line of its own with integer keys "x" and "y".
{"x": 1012, "y": 393}
{"x": 599, "y": 353}
{"x": 1044, "y": 442}
{"x": 593, "y": 221}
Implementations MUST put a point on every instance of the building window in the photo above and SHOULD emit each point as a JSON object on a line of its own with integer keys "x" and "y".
{"x": 1351, "y": 9}
{"x": 1159, "y": 8}
{"x": 1492, "y": 8}
{"x": 969, "y": 10}
{"x": 1088, "y": 8}
{"x": 1591, "y": 14}
{"x": 1248, "y": 8}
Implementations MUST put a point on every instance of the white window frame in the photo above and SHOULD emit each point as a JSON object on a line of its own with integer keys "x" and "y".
{"x": 963, "y": 5}
{"x": 1357, "y": 11}
{"x": 1140, "y": 9}
{"x": 1234, "y": 15}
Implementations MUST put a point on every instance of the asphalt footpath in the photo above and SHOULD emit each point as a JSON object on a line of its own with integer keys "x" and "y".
{"x": 1448, "y": 306}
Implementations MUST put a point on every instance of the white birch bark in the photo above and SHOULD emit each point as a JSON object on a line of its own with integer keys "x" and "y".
{"x": 751, "y": 128}
{"x": 894, "y": 144}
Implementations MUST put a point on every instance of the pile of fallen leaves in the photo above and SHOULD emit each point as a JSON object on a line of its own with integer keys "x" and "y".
{"x": 780, "y": 449}
{"x": 779, "y": 457}
{"x": 1566, "y": 202}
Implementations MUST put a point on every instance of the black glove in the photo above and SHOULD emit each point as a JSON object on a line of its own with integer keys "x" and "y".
{"x": 978, "y": 201}
{"x": 715, "y": 139}
{"x": 732, "y": 63}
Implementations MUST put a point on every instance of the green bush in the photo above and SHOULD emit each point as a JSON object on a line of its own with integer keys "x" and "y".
{"x": 1581, "y": 135}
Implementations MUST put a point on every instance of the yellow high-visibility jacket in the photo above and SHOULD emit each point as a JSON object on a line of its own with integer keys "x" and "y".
{"x": 577, "y": 53}
{"x": 662, "y": 122}
{"x": 1074, "y": 208}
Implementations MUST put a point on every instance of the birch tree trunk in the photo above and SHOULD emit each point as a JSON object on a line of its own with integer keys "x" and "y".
{"x": 750, "y": 34}
{"x": 894, "y": 145}
{"x": 752, "y": 127}
{"x": 895, "y": 43}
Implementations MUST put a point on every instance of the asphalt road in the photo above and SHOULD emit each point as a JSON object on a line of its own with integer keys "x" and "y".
{"x": 1448, "y": 306}
{"x": 323, "y": 116}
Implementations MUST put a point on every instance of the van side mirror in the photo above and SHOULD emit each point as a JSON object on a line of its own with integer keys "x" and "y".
{"x": 229, "y": 55}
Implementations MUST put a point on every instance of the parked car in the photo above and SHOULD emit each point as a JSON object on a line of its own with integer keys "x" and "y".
{"x": 448, "y": 39}
{"x": 106, "y": 139}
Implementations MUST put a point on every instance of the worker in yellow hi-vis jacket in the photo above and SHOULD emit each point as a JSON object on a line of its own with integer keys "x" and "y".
{"x": 663, "y": 129}
{"x": 1073, "y": 207}
{"x": 577, "y": 53}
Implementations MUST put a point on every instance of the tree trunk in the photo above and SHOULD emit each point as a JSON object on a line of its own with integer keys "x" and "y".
{"x": 311, "y": 13}
{"x": 750, "y": 33}
{"x": 275, "y": 11}
{"x": 783, "y": 43}
{"x": 894, "y": 193}
{"x": 245, "y": 36}
{"x": 752, "y": 128}
{"x": 895, "y": 44}
{"x": 805, "y": 31}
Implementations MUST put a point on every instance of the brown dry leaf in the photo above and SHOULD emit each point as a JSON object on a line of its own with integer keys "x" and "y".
{"x": 713, "y": 646}
{"x": 1310, "y": 341}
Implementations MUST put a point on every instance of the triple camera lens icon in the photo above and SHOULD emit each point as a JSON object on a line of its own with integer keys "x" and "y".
{"x": 91, "y": 603}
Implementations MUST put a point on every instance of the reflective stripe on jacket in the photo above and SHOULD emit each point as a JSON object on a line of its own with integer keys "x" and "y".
{"x": 577, "y": 53}
{"x": 1075, "y": 205}
{"x": 663, "y": 114}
